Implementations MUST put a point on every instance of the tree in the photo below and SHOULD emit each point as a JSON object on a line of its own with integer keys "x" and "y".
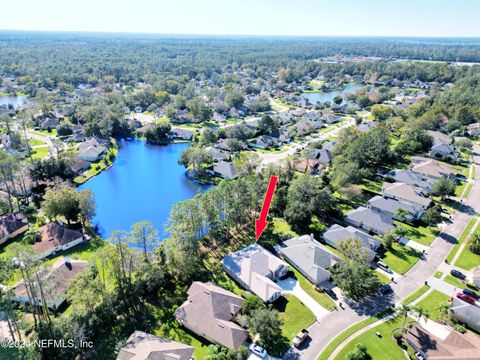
{"x": 420, "y": 312}
{"x": 144, "y": 236}
{"x": 63, "y": 201}
{"x": 158, "y": 134}
{"x": 266, "y": 124}
{"x": 31, "y": 236}
{"x": 444, "y": 187}
{"x": 358, "y": 353}
{"x": 267, "y": 324}
{"x": 234, "y": 99}
{"x": 86, "y": 204}
{"x": 382, "y": 112}
{"x": 389, "y": 238}
{"x": 432, "y": 216}
{"x": 401, "y": 214}
{"x": 217, "y": 352}
{"x": 474, "y": 243}
{"x": 195, "y": 158}
{"x": 444, "y": 309}
{"x": 403, "y": 310}
{"x": 354, "y": 275}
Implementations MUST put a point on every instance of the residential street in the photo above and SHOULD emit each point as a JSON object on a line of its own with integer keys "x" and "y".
{"x": 334, "y": 323}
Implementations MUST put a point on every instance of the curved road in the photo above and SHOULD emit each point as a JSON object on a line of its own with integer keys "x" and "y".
{"x": 330, "y": 326}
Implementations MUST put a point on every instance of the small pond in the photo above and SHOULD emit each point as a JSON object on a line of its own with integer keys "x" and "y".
{"x": 15, "y": 101}
{"x": 325, "y": 96}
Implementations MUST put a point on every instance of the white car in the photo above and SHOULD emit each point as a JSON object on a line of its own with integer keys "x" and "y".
{"x": 258, "y": 350}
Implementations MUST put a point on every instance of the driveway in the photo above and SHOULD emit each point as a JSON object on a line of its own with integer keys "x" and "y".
{"x": 292, "y": 286}
{"x": 334, "y": 323}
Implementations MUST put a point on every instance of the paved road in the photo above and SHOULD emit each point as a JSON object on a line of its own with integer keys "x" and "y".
{"x": 330, "y": 326}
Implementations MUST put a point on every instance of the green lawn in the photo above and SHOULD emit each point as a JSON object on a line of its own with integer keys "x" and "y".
{"x": 462, "y": 237}
{"x": 52, "y": 132}
{"x": 295, "y": 315}
{"x": 468, "y": 260}
{"x": 322, "y": 298}
{"x": 415, "y": 295}
{"x": 438, "y": 274}
{"x": 469, "y": 188}
{"x": 372, "y": 186}
{"x": 421, "y": 234}
{"x": 346, "y": 333}
{"x": 431, "y": 303}
{"x": 40, "y": 152}
{"x": 456, "y": 282}
{"x": 280, "y": 226}
{"x": 380, "y": 348}
{"x": 35, "y": 142}
{"x": 401, "y": 258}
{"x": 459, "y": 188}
{"x": 383, "y": 279}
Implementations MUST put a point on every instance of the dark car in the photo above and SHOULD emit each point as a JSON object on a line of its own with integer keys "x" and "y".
{"x": 458, "y": 274}
{"x": 471, "y": 293}
{"x": 330, "y": 293}
{"x": 385, "y": 289}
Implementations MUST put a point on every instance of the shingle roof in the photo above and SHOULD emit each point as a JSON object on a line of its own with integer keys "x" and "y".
{"x": 466, "y": 312}
{"x": 254, "y": 266}
{"x": 226, "y": 169}
{"x": 337, "y": 233}
{"x": 142, "y": 346}
{"x": 412, "y": 178}
{"x": 370, "y": 219}
{"x": 10, "y": 223}
{"x": 209, "y": 311}
{"x": 392, "y": 205}
{"x": 439, "y": 138}
{"x": 54, "y": 234}
{"x": 405, "y": 192}
{"x": 432, "y": 168}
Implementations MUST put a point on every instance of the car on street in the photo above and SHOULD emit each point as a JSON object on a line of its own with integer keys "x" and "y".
{"x": 385, "y": 289}
{"x": 458, "y": 274}
{"x": 471, "y": 293}
{"x": 258, "y": 350}
{"x": 300, "y": 338}
{"x": 465, "y": 297}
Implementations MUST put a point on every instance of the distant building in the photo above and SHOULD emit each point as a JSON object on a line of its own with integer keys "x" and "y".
{"x": 11, "y": 225}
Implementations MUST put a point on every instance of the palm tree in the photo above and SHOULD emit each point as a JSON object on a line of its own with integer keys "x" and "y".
{"x": 444, "y": 309}
{"x": 401, "y": 214}
{"x": 403, "y": 310}
{"x": 421, "y": 312}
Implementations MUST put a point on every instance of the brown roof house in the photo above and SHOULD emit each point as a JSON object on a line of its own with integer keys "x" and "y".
{"x": 54, "y": 238}
{"x": 142, "y": 346}
{"x": 432, "y": 169}
{"x": 256, "y": 270}
{"x": 452, "y": 346}
{"x": 12, "y": 225}
{"x": 209, "y": 311}
{"x": 55, "y": 281}
{"x": 405, "y": 192}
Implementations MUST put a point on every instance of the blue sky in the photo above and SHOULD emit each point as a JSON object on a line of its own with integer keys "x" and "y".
{"x": 250, "y": 17}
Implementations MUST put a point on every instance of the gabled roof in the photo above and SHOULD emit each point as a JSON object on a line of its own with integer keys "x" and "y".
{"x": 432, "y": 168}
{"x": 405, "y": 192}
{"x": 308, "y": 255}
{"x": 53, "y": 235}
{"x": 368, "y": 218}
{"x": 254, "y": 266}
{"x": 439, "y": 138}
{"x": 141, "y": 346}
{"x": 466, "y": 311}
{"x": 392, "y": 205}
{"x": 412, "y": 178}
{"x": 323, "y": 156}
{"x": 10, "y": 223}
{"x": 226, "y": 169}
{"x": 209, "y": 310}
{"x": 337, "y": 233}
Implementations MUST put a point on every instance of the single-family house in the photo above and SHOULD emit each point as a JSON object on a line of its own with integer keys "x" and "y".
{"x": 370, "y": 220}
{"x": 445, "y": 152}
{"x": 391, "y": 208}
{"x": 443, "y": 344}
{"x": 410, "y": 177}
{"x": 11, "y": 225}
{"x": 209, "y": 312}
{"x": 474, "y": 129}
{"x": 79, "y": 166}
{"x": 218, "y": 154}
{"x": 54, "y": 238}
{"x": 433, "y": 169}
{"x": 336, "y": 234}
{"x": 440, "y": 138}
{"x": 466, "y": 313}
{"x": 405, "y": 192}
{"x": 224, "y": 169}
{"x": 309, "y": 257}
{"x": 141, "y": 345}
{"x": 138, "y": 109}
{"x": 323, "y": 156}
{"x": 182, "y": 134}
{"x": 50, "y": 123}
{"x": 281, "y": 134}
{"x": 265, "y": 142}
{"x": 256, "y": 270}
{"x": 90, "y": 150}
{"x": 55, "y": 280}
{"x": 230, "y": 145}
{"x": 364, "y": 127}
{"x": 308, "y": 166}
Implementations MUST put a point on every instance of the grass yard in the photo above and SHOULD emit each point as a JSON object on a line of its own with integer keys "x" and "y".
{"x": 40, "y": 152}
{"x": 52, "y": 132}
{"x": 35, "y": 142}
{"x": 431, "y": 303}
{"x": 346, "y": 333}
{"x": 374, "y": 187}
{"x": 383, "y": 279}
{"x": 280, "y": 226}
{"x": 322, "y": 298}
{"x": 382, "y": 347}
{"x": 467, "y": 191}
{"x": 415, "y": 295}
{"x": 97, "y": 167}
{"x": 462, "y": 237}
{"x": 438, "y": 274}
{"x": 457, "y": 283}
{"x": 295, "y": 315}
{"x": 421, "y": 234}
{"x": 401, "y": 258}
{"x": 468, "y": 260}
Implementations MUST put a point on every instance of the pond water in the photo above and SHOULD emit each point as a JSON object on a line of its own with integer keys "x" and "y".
{"x": 15, "y": 101}
{"x": 143, "y": 184}
{"x": 325, "y": 96}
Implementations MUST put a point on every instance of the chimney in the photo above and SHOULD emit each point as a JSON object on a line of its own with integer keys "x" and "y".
{"x": 311, "y": 237}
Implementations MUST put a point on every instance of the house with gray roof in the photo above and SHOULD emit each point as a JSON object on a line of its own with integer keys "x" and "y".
{"x": 390, "y": 207}
{"x": 323, "y": 156}
{"x": 265, "y": 142}
{"x": 141, "y": 345}
{"x": 336, "y": 234}
{"x": 218, "y": 154}
{"x": 309, "y": 257}
{"x": 466, "y": 313}
{"x": 410, "y": 177}
{"x": 405, "y": 192}
{"x": 91, "y": 150}
{"x": 209, "y": 312}
{"x": 439, "y": 138}
{"x": 256, "y": 270}
{"x": 225, "y": 169}
{"x": 370, "y": 220}
{"x": 182, "y": 134}
{"x": 445, "y": 152}
{"x": 474, "y": 129}
{"x": 432, "y": 169}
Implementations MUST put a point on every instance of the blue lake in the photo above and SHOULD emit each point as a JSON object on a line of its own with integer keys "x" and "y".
{"x": 15, "y": 101}
{"x": 324, "y": 96}
{"x": 143, "y": 184}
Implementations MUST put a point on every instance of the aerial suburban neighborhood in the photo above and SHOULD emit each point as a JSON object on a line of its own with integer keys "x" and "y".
{"x": 281, "y": 188}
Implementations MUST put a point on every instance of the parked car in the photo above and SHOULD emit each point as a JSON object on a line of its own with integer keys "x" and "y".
{"x": 300, "y": 338}
{"x": 471, "y": 293}
{"x": 258, "y": 350}
{"x": 384, "y": 267}
{"x": 466, "y": 298}
{"x": 458, "y": 274}
{"x": 385, "y": 289}
{"x": 330, "y": 293}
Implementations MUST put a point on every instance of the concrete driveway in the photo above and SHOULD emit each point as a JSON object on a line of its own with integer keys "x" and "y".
{"x": 292, "y": 286}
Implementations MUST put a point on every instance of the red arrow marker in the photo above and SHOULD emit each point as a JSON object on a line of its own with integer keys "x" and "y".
{"x": 261, "y": 223}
